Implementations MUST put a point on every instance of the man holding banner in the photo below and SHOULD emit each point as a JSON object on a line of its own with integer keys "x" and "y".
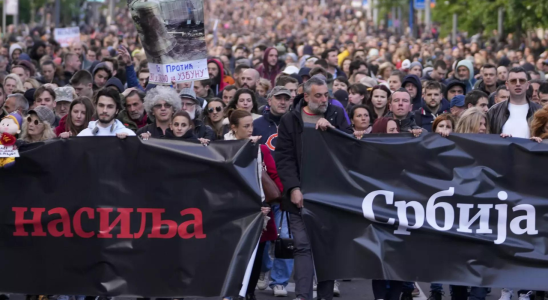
{"x": 313, "y": 108}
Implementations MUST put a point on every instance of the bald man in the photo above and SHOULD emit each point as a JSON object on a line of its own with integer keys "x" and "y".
{"x": 249, "y": 80}
{"x": 78, "y": 48}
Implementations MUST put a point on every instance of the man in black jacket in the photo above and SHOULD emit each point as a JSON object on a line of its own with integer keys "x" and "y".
{"x": 511, "y": 117}
{"x": 315, "y": 109}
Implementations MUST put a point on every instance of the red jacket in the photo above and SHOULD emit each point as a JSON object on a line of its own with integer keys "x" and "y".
{"x": 270, "y": 233}
{"x": 62, "y": 124}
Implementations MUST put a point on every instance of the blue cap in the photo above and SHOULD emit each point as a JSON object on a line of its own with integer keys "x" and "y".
{"x": 457, "y": 101}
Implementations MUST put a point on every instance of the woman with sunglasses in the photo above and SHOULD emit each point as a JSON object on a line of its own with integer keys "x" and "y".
{"x": 241, "y": 128}
{"x": 81, "y": 112}
{"x": 214, "y": 114}
{"x": 161, "y": 103}
{"x": 37, "y": 125}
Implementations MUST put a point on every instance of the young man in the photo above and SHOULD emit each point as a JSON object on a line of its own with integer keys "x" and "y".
{"x": 477, "y": 99}
{"x": 82, "y": 82}
{"x": 433, "y": 106}
{"x": 438, "y": 73}
{"x": 107, "y": 106}
{"x": 228, "y": 93}
{"x": 202, "y": 90}
{"x": 330, "y": 56}
{"x": 134, "y": 115}
{"x": 21, "y": 71}
{"x": 101, "y": 74}
{"x": 45, "y": 96}
{"x": 454, "y": 88}
{"x": 314, "y": 109}
{"x": 72, "y": 65}
{"x": 289, "y": 83}
{"x": 511, "y": 117}
{"x": 400, "y": 109}
{"x": 143, "y": 76}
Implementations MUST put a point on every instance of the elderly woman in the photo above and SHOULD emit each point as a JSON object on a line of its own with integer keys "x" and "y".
{"x": 161, "y": 103}
{"x": 37, "y": 125}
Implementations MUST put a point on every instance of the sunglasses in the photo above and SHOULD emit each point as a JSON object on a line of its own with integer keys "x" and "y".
{"x": 36, "y": 122}
{"x": 159, "y": 106}
{"x": 515, "y": 80}
{"x": 215, "y": 109}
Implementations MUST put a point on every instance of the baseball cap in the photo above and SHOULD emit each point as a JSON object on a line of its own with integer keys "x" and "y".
{"x": 64, "y": 94}
{"x": 44, "y": 114}
{"x": 291, "y": 70}
{"x": 457, "y": 101}
{"x": 279, "y": 90}
{"x": 189, "y": 94}
{"x": 406, "y": 64}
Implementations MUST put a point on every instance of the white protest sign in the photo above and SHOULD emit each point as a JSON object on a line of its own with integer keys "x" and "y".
{"x": 178, "y": 72}
{"x": 8, "y": 151}
{"x": 66, "y": 36}
{"x": 12, "y": 7}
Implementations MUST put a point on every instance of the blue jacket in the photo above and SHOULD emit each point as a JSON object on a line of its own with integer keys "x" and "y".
{"x": 424, "y": 117}
{"x": 131, "y": 78}
{"x": 266, "y": 128}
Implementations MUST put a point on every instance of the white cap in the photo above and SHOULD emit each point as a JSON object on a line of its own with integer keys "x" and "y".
{"x": 406, "y": 64}
{"x": 291, "y": 70}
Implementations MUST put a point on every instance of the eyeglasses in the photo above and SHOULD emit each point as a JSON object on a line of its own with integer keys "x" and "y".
{"x": 217, "y": 109}
{"x": 516, "y": 80}
{"x": 36, "y": 122}
{"x": 159, "y": 106}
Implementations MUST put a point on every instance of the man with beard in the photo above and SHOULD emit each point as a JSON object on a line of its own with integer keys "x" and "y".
{"x": 107, "y": 106}
{"x": 511, "y": 117}
{"x": 433, "y": 106}
{"x": 134, "y": 116}
{"x": 314, "y": 108}
{"x": 216, "y": 75}
{"x": 465, "y": 73}
{"x": 249, "y": 80}
{"x": 330, "y": 56}
{"x": 191, "y": 105}
{"x": 269, "y": 69}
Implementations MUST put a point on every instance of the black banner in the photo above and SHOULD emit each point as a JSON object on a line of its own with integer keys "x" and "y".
{"x": 103, "y": 216}
{"x": 467, "y": 210}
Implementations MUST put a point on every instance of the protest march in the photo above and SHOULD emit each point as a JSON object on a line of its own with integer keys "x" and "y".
{"x": 311, "y": 149}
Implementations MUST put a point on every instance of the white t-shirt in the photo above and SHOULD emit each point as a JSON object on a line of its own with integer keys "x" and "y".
{"x": 517, "y": 124}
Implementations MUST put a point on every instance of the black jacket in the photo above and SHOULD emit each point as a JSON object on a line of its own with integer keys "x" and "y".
{"x": 414, "y": 79}
{"x": 499, "y": 114}
{"x": 289, "y": 151}
{"x": 188, "y": 136}
{"x": 406, "y": 124}
{"x": 203, "y": 131}
{"x": 155, "y": 132}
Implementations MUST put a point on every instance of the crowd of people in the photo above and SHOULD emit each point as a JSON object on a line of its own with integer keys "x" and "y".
{"x": 273, "y": 68}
